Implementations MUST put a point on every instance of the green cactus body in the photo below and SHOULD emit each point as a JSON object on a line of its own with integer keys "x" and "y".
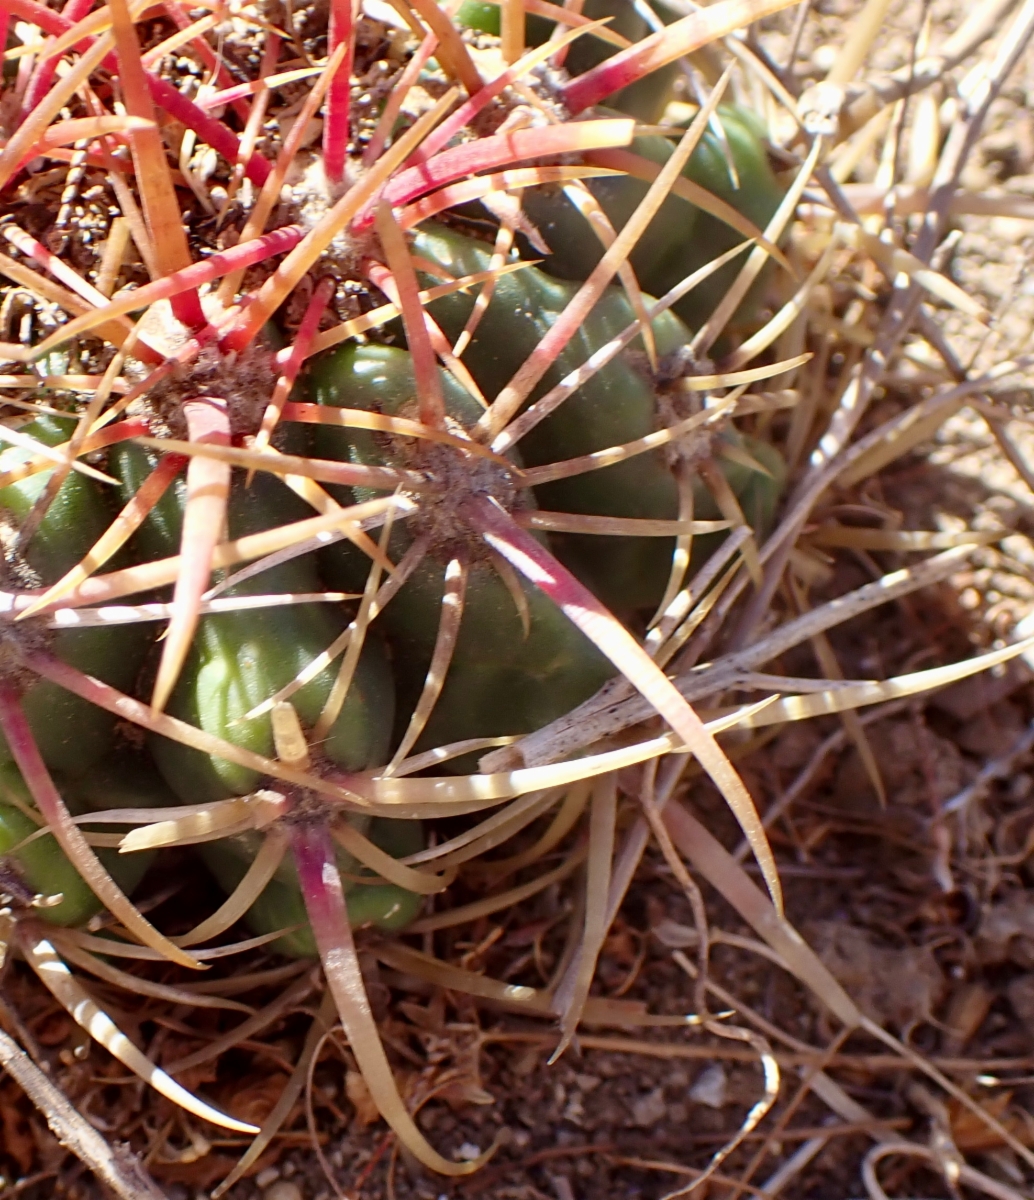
{"x": 575, "y": 248}
{"x": 499, "y": 681}
{"x": 241, "y": 658}
{"x": 42, "y": 865}
{"x": 159, "y": 535}
{"x": 71, "y": 734}
{"x": 618, "y": 405}
{"x": 681, "y": 238}
{"x": 757, "y": 493}
{"x": 281, "y": 905}
{"x": 615, "y": 406}
{"x": 645, "y": 99}
{"x": 757, "y": 198}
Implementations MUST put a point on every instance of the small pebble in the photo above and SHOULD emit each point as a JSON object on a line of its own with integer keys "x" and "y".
{"x": 268, "y": 1176}
{"x": 710, "y": 1086}
{"x": 283, "y": 1189}
{"x": 649, "y": 1109}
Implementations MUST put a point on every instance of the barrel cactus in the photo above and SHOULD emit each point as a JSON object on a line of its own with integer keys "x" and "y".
{"x": 368, "y": 387}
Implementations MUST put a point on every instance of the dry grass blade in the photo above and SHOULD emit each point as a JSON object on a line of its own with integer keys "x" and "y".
{"x": 465, "y": 913}
{"x": 66, "y": 944}
{"x": 893, "y": 260}
{"x": 901, "y": 539}
{"x": 491, "y": 832}
{"x": 954, "y": 1172}
{"x": 569, "y": 999}
{"x": 287, "y": 1098}
{"x": 566, "y": 818}
{"x": 719, "y": 868}
{"x": 528, "y": 1001}
{"x": 855, "y": 695}
{"x": 44, "y": 960}
{"x": 289, "y": 999}
{"x": 757, "y": 1112}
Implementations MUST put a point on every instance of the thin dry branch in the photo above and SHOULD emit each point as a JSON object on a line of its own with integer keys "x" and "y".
{"x": 114, "y": 1165}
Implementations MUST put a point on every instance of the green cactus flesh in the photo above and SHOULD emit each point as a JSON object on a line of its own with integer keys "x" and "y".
{"x": 615, "y": 406}
{"x": 71, "y": 734}
{"x": 239, "y": 659}
{"x": 681, "y": 238}
{"x": 499, "y": 681}
{"x": 646, "y": 99}
{"x": 41, "y": 864}
{"x": 618, "y": 404}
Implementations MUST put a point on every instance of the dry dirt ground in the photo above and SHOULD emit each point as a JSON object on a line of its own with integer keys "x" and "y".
{"x": 924, "y": 908}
